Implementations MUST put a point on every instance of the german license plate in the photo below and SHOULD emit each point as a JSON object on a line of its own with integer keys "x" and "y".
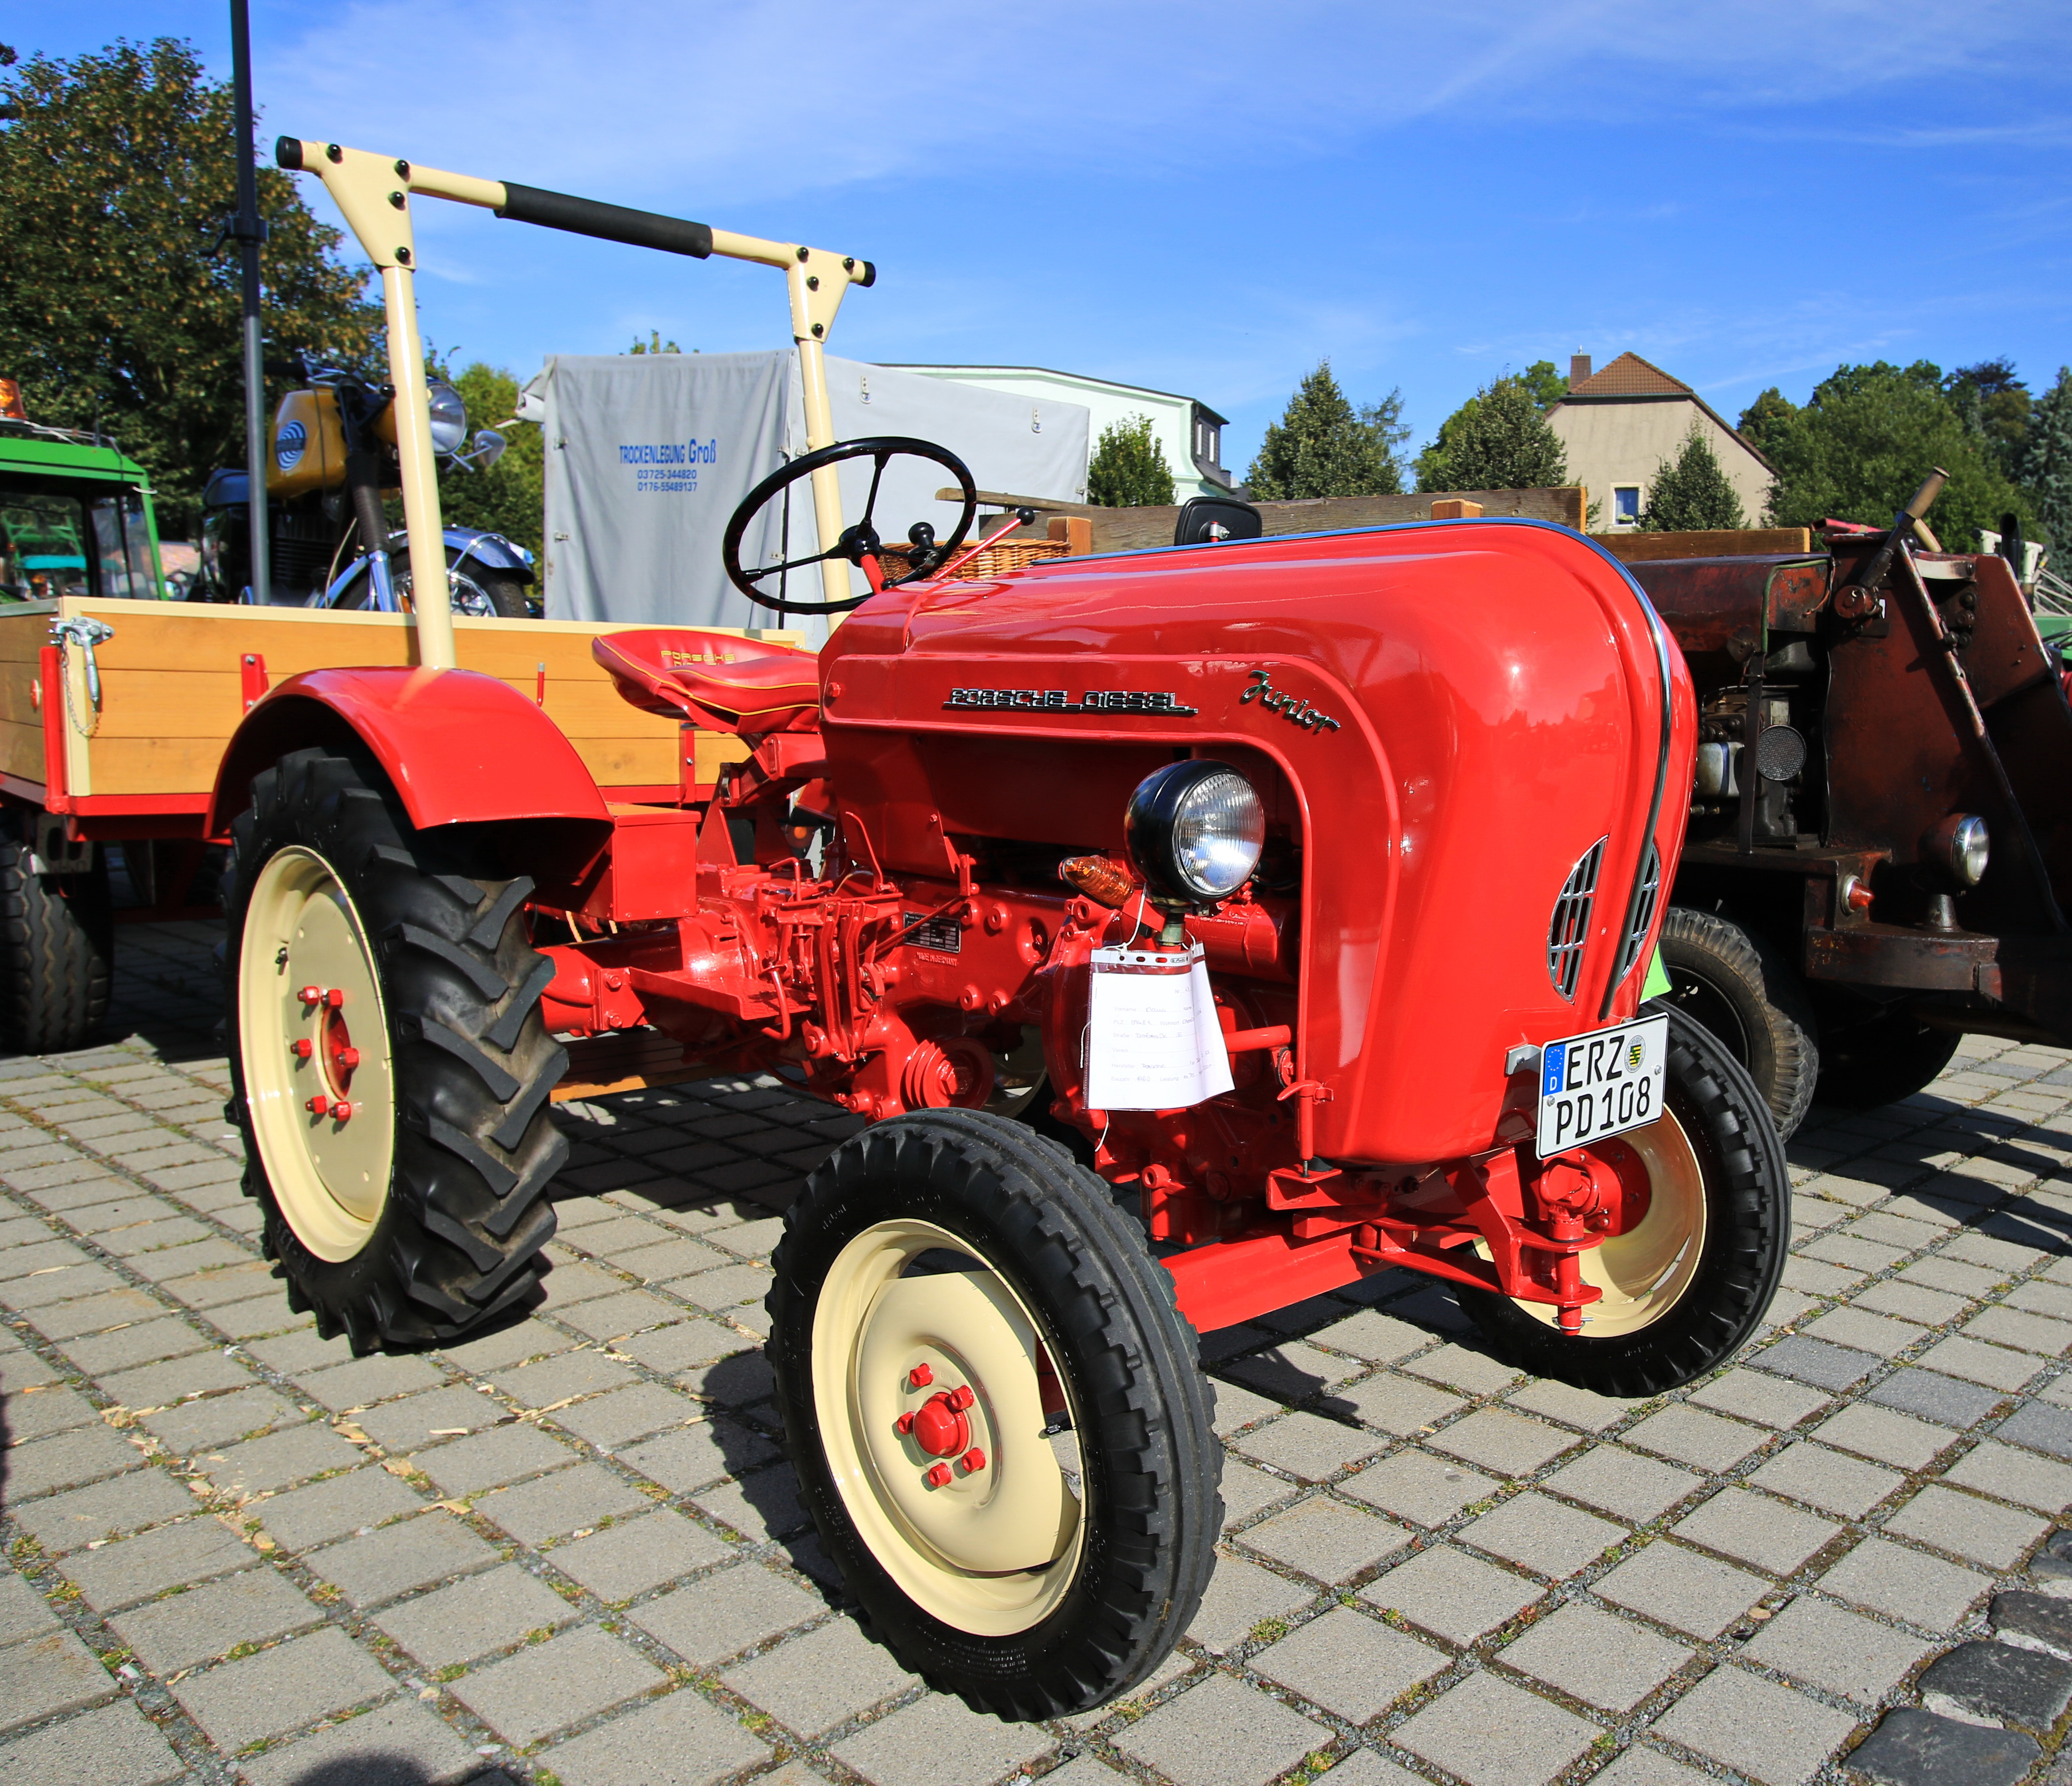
{"x": 1600, "y": 1084}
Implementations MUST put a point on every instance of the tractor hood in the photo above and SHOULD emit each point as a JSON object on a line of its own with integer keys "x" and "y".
{"x": 1470, "y": 720}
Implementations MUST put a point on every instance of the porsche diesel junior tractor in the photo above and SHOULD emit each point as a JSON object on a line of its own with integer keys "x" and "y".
{"x": 1199, "y": 930}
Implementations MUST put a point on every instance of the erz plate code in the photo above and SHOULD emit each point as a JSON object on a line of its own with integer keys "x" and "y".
{"x": 1593, "y": 1086}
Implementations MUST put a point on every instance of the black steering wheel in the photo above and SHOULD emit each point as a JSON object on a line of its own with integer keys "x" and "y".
{"x": 856, "y": 541}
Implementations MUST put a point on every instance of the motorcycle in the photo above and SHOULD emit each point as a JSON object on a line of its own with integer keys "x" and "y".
{"x": 333, "y": 461}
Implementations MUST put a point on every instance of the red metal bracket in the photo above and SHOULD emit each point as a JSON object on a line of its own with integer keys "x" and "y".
{"x": 252, "y": 678}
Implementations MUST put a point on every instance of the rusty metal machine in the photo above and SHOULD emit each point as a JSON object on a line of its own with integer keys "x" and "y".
{"x": 1880, "y": 836}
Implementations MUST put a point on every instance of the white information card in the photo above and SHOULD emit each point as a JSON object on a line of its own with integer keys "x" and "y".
{"x": 1153, "y": 1039}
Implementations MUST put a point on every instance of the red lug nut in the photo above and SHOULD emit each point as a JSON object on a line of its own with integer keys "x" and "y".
{"x": 973, "y": 1461}
{"x": 318, "y": 1105}
{"x": 334, "y": 998}
{"x": 347, "y": 1057}
{"x": 920, "y": 1376}
{"x": 342, "y": 1110}
{"x": 961, "y": 1398}
{"x": 938, "y": 1476}
{"x": 303, "y": 1049}
{"x": 905, "y": 1423}
{"x": 312, "y": 995}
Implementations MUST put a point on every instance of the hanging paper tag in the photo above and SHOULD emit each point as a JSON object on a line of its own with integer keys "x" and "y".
{"x": 1153, "y": 1039}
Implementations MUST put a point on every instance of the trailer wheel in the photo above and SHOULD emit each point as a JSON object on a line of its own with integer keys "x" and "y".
{"x": 1684, "y": 1287}
{"x": 1880, "y": 1059}
{"x": 1040, "y": 1532}
{"x": 1732, "y": 982}
{"x": 389, "y": 1068}
{"x": 57, "y": 950}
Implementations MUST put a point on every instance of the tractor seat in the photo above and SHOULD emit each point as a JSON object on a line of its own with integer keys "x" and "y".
{"x": 717, "y": 681}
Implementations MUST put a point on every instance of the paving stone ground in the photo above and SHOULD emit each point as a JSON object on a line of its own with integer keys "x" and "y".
{"x": 569, "y": 1550}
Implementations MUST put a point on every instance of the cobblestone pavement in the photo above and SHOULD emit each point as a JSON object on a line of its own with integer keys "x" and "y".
{"x": 567, "y": 1552}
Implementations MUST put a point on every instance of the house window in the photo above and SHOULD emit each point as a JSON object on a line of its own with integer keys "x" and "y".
{"x": 1625, "y": 505}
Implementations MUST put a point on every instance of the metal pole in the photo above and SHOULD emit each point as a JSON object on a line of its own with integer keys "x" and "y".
{"x": 248, "y": 230}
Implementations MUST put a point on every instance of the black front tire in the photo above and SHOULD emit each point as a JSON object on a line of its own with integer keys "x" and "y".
{"x": 1731, "y": 980}
{"x": 457, "y": 1239}
{"x": 1747, "y": 1194}
{"x": 1105, "y": 1311}
{"x": 57, "y": 950}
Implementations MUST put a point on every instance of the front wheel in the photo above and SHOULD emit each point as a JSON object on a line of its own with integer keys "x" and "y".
{"x": 1736, "y": 985}
{"x": 995, "y": 1410}
{"x": 1685, "y": 1284}
{"x": 389, "y": 1068}
{"x": 483, "y": 594}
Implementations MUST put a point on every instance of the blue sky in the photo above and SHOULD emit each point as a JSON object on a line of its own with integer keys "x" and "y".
{"x": 1209, "y": 197}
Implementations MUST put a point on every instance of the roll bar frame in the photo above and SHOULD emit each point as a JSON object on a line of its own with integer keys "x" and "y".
{"x": 374, "y": 191}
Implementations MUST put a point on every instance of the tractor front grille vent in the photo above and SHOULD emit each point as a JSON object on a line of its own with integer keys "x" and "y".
{"x": 1643, "y": 914}
{"x": 1570, "y": 929}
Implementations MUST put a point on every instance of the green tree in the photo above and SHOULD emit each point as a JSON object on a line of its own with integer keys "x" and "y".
{"x": 1498, "y": 439}
{"x": 1322, "y": 446}
{"x": 1548, "y": 386}
{"x": 1690, "y": 493}
{"x": 508, "y": 497}
{"x": 1128, "y": 468}
{"x": 1866, "y": 439}
{"x": 1770, "y": 413}
{"x": 118, "y": 310}
{"x": 654, "y": 344}
{"x": 2046, "y": 462}
{"x": 1994, "y": 404}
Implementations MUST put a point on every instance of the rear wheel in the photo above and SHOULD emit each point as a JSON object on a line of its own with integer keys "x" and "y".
{"x": 995, "y": 1410}
{"x": 1732, "y": 982}
{"x": 1880, "y": 1058}
{"x": 1682, "y": 1287}
{"x": 390, "y": 1070}
{"x": 57, "y": 950}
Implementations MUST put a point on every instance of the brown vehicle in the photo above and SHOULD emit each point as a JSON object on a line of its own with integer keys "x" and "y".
{"x": 1880, "y": 849}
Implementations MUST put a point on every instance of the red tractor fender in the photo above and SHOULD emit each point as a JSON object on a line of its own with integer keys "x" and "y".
{"x": 458, "y": 746}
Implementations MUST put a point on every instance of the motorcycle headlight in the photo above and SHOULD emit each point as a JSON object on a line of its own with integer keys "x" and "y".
{"x": 449, "y": 417}
{"x": 1964, "y": 846}
{"x": 1194, "y": 830}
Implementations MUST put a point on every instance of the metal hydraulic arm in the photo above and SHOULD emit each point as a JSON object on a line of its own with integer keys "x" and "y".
{"x": 374, "y": 191}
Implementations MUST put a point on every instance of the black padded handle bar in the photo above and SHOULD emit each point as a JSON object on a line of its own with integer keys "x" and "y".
{"x": 611, "y": 222}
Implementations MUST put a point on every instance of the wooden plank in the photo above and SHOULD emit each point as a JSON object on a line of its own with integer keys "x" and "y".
{"x": 1133, "y": 529}
{"x": 1637, "y": 548}
{"x": 21, "y": 750}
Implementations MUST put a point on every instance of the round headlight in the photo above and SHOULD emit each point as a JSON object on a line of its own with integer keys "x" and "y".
{"x": 1194, "y": 831}
{"x": 449, "y": 417}
{"x": 1964, "y": 846}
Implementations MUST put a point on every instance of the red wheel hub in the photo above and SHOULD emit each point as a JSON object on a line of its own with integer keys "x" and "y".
{"x": 940, "y": 1428}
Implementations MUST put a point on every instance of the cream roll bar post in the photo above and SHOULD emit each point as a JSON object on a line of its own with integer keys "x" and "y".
{"x": 374, "y": 191}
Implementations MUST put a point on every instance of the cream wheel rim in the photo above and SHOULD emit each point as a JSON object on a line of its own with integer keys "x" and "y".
{"x": 304, "y": 1057}
{"x": 1645, "y": 1271}
{"x": 990, "y": 1549}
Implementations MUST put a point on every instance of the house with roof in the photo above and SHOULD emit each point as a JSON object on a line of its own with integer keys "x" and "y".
{"x": 1188, "y": 429}
{"x": 1617, "y": 425}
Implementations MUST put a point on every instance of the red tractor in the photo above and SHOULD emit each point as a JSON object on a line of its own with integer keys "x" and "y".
{"x": 1200, "y": 930}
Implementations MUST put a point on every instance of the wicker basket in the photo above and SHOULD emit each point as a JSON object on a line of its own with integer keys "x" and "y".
{"x": 997, "y": 560}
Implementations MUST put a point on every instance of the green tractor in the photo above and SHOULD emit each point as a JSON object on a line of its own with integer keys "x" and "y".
{"x": 75, "y": 515}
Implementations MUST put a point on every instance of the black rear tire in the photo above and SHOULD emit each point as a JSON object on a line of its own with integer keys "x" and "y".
{"x": 57, "y": 950}
{"x": 456, "y": 1240}
{"x": 1149, "y": 1511}
{"x": 1747, "y": 1192}
{"x": 1731, "y": 980}
{"x": 1881, "y": 1058}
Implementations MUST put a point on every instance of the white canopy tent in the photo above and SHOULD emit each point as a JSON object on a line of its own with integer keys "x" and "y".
{"x": 648, "y": 455}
